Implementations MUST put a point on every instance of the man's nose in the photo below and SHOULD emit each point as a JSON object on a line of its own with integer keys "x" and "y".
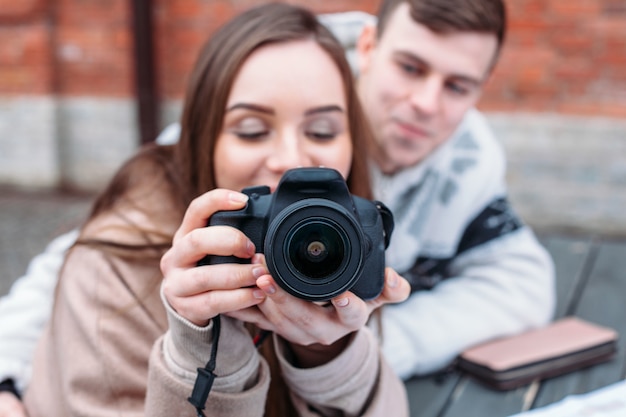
{"x": 426, "y": 97}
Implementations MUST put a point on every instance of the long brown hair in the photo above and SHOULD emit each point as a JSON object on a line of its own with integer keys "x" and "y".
{"x": 186, "y": 170}
{"x": 216, "y": 69}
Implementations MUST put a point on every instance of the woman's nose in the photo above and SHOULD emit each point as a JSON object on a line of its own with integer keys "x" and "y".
{"x": 287, "y": 154}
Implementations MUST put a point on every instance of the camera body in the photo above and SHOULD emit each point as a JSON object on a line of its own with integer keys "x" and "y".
{"x": 319, "y": 240}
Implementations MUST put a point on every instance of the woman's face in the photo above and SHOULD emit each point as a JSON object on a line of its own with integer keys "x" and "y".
{"x": 286, "y": 109}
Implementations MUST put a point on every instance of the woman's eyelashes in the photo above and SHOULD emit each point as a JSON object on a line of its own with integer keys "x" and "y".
{"x": 252, "y": 136}
{"x": 251, "y": 129}
{"x": 319, "y": 129}
{"x": 322, "y": 129}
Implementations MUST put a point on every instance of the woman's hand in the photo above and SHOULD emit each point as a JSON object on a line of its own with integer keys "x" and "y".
{"x": 11, "y": 406}
{"x": 200, "y": 293}
{"x": 317, "y": 332}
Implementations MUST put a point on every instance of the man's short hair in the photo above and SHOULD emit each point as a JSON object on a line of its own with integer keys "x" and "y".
{"x": 446, "y": 16}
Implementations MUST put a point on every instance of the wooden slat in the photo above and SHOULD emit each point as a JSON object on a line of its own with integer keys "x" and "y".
{"x": 476, "y": 400}
{"x": 571, "y": 258}
{"x": 429, "y": 395}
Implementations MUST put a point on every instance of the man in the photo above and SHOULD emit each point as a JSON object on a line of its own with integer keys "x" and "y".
{"x": 477, "y": 272}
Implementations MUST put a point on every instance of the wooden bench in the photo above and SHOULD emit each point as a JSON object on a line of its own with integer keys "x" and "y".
{"x": 591, "y": 284}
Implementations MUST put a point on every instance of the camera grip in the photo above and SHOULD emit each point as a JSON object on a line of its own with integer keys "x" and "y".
{"x": 243, "y": 220}
{"x": 215, "y": 259}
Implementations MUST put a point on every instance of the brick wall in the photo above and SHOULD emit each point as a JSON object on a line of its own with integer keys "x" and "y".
{"x": 563, "y": 56}
{"x": 68, "y": 110}
{"x": 184, "y": 25}
{"x": 560, "y": 56}
{"x": 68, "y": 47}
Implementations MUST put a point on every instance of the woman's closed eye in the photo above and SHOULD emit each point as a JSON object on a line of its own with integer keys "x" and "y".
{"x": 322, "y": 129}
{"x": 250, "y": 128}
{"x": 252, "y": 135}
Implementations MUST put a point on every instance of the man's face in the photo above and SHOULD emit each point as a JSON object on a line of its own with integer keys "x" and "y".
{"x": 416, "y": 85}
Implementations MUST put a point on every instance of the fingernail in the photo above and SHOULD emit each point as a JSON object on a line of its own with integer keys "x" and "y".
{"x": 392, "y": 280}
{"x": 238, "y": 197}
{"x": 266, "y": 286}
{"x": 258, "y": 294}
{"x": 250, "y": 248}
{"x": 259, "y": 272}
{"x": 342, "y": 302}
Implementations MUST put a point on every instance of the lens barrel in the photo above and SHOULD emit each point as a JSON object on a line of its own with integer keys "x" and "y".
{"x": 314, "y": 249}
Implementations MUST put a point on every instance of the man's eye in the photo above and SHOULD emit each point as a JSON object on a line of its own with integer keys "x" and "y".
{"x": 410, "y": 69}
{"x": 458, "y": 89}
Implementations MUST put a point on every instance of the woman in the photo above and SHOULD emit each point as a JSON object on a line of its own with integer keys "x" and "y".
{"x": 134, "y": 317}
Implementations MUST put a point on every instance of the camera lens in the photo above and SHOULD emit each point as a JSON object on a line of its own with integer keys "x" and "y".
{"x": 316, "y": 249}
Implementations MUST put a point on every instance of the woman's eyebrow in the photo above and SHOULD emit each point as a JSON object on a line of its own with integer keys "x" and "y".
{"x": 323, "y": 109}
{"x": 249, "y": 106}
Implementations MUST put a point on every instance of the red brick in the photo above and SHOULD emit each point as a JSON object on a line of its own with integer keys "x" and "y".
{"x": 25, "y": 59}
{"x": 577, "y": 41}
{"x": 527, "y": 8}
{"x": 581, "y": 69}
{"x": 94, "y": 61}
{"x": 591, "y": 108}
{"x": 574, "y": 8}
{"x": 497, "y": 105}
{"x": 614, "y": 7}
{"x": 12, "y": 11}
{"x": 93, "y": 12}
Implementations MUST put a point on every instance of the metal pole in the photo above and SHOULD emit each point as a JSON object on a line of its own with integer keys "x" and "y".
{"x": 145, "y": 70}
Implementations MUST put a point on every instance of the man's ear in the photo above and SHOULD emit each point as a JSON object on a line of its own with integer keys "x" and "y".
{"x": 365, "y": 46}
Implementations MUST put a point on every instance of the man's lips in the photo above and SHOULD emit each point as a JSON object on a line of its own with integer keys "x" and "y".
{"x": 411, "y": 130}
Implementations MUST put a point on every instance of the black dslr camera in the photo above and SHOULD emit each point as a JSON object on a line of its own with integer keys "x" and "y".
{"x": 318, "y": 239}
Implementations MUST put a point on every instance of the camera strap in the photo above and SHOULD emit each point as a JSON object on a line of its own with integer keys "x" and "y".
{"x": 206, "y": 375}
{"x": 387, "y": 218}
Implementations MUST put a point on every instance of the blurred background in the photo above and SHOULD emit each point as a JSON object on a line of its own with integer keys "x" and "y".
{"x": 84, "y": 82}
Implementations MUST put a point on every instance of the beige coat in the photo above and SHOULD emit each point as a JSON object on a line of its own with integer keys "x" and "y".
{"x": 113, "y": 349}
